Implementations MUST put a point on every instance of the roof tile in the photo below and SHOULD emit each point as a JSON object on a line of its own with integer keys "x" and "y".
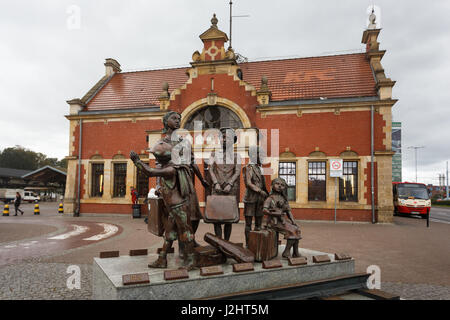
{"x": 339, "y": 76}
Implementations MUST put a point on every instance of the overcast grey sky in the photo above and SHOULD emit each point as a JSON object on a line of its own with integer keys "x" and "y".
{"x": 44, "y": 62}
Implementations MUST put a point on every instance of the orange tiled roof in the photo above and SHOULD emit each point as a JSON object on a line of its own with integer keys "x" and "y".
{"x": 340, "y": 76}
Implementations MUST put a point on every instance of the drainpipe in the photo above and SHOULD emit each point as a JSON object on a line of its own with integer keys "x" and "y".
{"x": 372, "y": 164}
{"x": 77, "y": 210}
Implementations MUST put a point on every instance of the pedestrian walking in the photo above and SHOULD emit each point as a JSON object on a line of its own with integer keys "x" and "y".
{"x": 17, "y": 202}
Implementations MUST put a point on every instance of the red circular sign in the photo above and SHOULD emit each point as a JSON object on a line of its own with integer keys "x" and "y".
{"x": 336, "y": 165}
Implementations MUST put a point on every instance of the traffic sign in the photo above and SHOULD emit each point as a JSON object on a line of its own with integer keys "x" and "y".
{"x": 336, "y": 170}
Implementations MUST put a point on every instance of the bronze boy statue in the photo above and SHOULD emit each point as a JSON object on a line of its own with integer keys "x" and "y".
{"x": 255, "y": 192}
{"x": 171, "y": 122}
{"x": 280, "y": 217}
{"x": 175, "y": 189}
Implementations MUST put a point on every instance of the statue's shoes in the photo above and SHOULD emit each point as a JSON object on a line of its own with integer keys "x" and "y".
{"x": 159, "y": 263}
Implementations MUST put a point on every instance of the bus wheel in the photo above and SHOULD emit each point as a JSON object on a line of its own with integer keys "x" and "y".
{"x": 424, "y": 216}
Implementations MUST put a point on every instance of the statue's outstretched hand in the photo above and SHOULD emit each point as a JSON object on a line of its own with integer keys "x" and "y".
{"x": 134, "y": 157}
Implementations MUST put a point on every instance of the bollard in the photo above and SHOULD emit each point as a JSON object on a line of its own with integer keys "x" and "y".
{"x": 61, "y": 208}
{"x": 36, "y": 209}
{"x": 6, "y": 210}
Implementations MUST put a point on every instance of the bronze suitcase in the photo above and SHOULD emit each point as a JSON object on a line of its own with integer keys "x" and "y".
{"x": 221, "y": 208}
{"x": 264, "y": 244}
{"x": 156, "y": 217}
{"x": 207, "y": 256}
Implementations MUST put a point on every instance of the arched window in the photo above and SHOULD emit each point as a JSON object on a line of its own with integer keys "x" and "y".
{"x": 214, "y": 117}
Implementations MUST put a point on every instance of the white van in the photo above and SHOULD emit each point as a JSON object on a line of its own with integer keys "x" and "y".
{"x": 8, "y": 195}
{"x": 30, "y": 196}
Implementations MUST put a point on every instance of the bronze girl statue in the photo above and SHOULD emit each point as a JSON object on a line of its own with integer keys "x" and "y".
{"x": 280, "y": 218}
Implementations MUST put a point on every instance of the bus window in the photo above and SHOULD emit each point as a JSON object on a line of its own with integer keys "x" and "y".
{"x": 413, "y": 191}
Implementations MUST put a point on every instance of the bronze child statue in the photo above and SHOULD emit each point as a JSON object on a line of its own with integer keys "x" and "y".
{"x": 225, "y": 171}
{"x": 171, "y": 122}
{"x": 280, "y": 218}
{"x": 175, "y": 190}
{"x": 255, "y": 192}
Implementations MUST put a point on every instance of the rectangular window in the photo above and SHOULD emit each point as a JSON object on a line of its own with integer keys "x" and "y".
{"x": 142, "y": 184}
{"x": 120, "y": 180}
{"x": 97, "y": 180}
{"x": 348, "y": 184}
{"x": 287, "y": 170}
{"x": 317, "y": 181}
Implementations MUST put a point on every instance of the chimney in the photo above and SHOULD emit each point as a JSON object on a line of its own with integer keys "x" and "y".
{"x": 111, "y": 67}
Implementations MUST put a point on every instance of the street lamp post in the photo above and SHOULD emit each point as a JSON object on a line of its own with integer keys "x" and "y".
{"x": 415, "y": 155}
{"x": 447, "y": 181}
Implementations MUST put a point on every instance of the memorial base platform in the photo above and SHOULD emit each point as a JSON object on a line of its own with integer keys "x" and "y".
{"x": 108, "y": 277}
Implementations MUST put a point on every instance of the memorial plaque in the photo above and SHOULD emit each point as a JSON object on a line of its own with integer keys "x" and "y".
{"x": 242, "y": 267}
{"x": 176, "y": 274}
{"x": 137, "y": 278}
{"x": 211, "y": 271}
{"x": 109, "y": 254}
{"x": 297, "y": 261}
{"x": 321, "y": 259}
{"x": 342, "y": 256}
{"x": 271, "y": 264}
{"x": 171, "y": 250}
{"x": 138, "y": 252}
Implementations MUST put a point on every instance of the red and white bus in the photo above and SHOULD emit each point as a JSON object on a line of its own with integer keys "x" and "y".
{"x": 411, "y": 198}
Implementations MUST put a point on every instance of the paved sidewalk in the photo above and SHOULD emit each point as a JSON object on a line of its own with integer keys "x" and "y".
{"x": 414, "y": 260}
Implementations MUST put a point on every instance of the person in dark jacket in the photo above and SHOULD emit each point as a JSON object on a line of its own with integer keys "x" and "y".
{"x": 17, "y": 202}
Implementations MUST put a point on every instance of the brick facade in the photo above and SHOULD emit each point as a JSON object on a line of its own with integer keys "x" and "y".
{"x": 125, "y": 112}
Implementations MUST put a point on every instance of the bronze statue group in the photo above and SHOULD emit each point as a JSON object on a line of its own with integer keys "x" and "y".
{"x": 175, "y": 185}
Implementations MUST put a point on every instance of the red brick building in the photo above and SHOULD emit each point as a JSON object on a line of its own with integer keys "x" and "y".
{"x": 321, "y": 106}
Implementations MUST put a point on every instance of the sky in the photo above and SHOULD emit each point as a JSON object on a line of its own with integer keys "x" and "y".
{"x": 53, "y": 51}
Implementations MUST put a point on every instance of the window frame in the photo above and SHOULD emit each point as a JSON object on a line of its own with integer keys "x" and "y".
{"x": 113, "y": 165}
{"x": 282, "y": 175}
{"x": 356, "y": 182}
{"x": 325, "y": 168}
{"x": 234, "y": 122}
{"x": 93, "y": 180}
{"x": 139, "y": 174}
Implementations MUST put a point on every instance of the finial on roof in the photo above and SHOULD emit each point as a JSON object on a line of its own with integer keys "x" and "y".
{"x": 214, "y": 21}
{"x": 264, "y": 81}
{"x": 165, "y": 91}
{"x": 264, "y": 85}
{"x": 372, "y": 19}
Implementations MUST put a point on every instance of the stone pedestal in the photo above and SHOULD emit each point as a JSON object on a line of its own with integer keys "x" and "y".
{"x": 108, "y": 273}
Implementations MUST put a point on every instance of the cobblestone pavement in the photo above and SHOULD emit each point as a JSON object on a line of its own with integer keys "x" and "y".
{"x": 408, "y": 291}
{"x": 34, "y": 280}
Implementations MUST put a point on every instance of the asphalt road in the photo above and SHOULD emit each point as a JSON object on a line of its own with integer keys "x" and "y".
{"x": 440, "y": 214}
{"x": 30, "y": 236}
